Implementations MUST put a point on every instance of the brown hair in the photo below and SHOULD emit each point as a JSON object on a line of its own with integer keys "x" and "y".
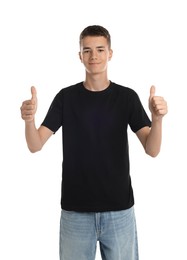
{"x": 96, "y": 30}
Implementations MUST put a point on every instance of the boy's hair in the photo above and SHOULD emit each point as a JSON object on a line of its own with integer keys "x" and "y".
{"x": 95, "y": 30}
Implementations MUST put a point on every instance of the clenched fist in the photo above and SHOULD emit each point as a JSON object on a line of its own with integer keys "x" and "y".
{"x": 29, "y": 107}
{"x": 157, "y": 105}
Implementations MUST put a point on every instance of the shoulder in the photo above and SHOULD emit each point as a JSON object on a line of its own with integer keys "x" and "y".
{"x": 125, "y": 91}
{"x": 72, "y": 89}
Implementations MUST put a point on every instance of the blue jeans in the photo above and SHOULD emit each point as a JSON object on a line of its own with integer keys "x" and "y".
{"x": 115, "y": 231}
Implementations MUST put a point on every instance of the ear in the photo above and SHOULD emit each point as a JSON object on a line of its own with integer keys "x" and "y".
{"x": 110, "y": 54}
{"x": 80, "y": 56}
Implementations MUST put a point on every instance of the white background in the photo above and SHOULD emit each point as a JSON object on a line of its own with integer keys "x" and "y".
{"x": 39, "y": 46}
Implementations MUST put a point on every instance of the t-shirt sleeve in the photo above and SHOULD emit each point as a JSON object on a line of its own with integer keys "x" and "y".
{"x": 138, "y": 117}
{"x": 53, "y": 118}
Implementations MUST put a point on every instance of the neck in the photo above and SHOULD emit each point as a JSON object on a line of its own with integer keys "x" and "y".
{"x": 96, "y": 83}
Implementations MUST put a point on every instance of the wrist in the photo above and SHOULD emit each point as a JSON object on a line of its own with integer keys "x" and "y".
{"x": 157, "y": 120}
{"x": 30, "y": 122}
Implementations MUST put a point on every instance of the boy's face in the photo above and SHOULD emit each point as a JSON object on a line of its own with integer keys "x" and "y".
{"x": 95, "y": 54}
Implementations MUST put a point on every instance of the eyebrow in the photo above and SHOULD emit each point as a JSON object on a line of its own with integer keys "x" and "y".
{"x": 98, "y": 47}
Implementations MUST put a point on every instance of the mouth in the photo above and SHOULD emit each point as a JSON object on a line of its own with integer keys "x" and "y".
{"x": 94, "y": 63}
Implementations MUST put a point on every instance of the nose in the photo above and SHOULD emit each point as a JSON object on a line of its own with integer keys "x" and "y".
{"x": 93, "y": 55}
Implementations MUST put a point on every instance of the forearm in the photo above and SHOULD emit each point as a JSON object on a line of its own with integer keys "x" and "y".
{"x": 32, "y": 136}
{"x": 154, "y": 139}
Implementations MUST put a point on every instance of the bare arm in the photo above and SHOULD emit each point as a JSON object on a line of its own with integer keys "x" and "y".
{"x": 35, "y": 138}
{"x": 151, "y": 139}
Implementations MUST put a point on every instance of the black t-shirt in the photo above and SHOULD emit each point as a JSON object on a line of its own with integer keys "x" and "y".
{"x": 95, "y": 169}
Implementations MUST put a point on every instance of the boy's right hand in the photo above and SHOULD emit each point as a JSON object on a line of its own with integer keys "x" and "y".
{"x": 29, "y": 107}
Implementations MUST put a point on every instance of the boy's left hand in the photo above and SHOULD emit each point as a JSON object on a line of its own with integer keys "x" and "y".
{"x": 157, "y": 105}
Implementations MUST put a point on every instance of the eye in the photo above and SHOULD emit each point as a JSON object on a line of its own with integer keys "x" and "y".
{"x": 86, "y": 51}
{"x": 100, "y": 50}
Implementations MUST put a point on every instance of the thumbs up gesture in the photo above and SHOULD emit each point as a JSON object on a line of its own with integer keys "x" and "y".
{"x": 157, "y": 105}
{"x": 29, "y": 107}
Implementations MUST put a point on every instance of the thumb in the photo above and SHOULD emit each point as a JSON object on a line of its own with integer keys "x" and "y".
{"x": 34, "y": 94}
{"x": 152, "y": 92}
